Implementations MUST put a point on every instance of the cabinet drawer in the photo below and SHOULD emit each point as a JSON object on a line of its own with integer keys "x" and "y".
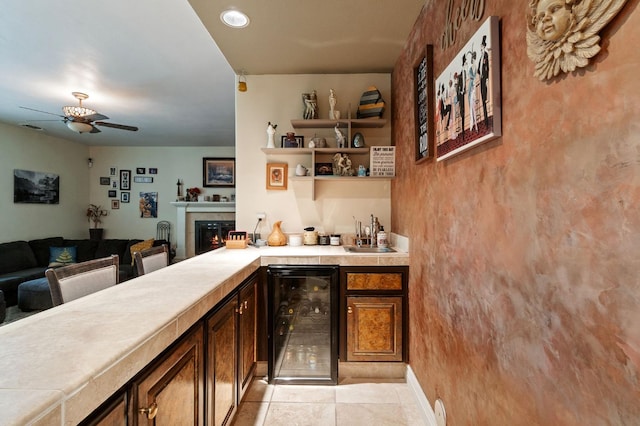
{"x": 374, "y": 281}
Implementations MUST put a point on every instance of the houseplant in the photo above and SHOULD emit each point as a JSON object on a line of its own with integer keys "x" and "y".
{"x": 95, "y": 214}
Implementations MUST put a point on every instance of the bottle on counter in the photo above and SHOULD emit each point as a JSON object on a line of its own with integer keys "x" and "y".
{"x": 382, "y": 238}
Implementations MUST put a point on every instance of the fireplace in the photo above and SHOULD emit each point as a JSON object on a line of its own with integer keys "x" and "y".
{"x": 211, "y": 234}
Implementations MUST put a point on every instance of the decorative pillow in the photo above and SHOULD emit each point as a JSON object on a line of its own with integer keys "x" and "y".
{"x": 62, "y": 256}
{"x": 139, "y": 247}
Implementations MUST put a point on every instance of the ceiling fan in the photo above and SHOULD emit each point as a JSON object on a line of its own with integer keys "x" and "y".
{"x": 83, "y": 120}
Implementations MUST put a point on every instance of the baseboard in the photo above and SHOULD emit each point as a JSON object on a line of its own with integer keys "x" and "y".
{"x": 426, "y": 411}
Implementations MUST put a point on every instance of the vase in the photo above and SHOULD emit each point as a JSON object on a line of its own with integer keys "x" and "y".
{"x": 277, "y": 237}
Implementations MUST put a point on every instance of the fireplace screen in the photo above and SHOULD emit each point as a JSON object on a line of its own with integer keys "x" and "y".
{"x": 211, "y": 234}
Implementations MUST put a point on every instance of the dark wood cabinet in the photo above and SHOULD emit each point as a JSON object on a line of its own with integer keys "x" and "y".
{"x": 373, "y": 313}
{"x": 222, "y": 340}
{"x": 171, "y": 390}
{"x": 111, "y": 413}
{"x": 247, "y": 322}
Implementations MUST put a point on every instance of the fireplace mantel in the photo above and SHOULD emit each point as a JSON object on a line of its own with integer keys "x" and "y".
{"x": 185, "y": 207}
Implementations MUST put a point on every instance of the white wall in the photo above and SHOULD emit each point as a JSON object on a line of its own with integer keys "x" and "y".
{"x": 36, "y": 151}
{"x": 173, "y": 163}
{"x": 278, "y": 99}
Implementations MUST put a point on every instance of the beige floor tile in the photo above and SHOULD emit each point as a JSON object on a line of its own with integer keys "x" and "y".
{"x": 251, "y": 414}
{"x": 307, "y": 414}
{"x": 304, "y": 393}
{"x": 371, "y": 414}
{"x": 259, "y": 391}
{"x": 363, "y": 393}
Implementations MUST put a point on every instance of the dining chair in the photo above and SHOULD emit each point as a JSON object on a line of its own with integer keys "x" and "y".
{"x": 151, "y": 259}
{"x": 71, "y": 282}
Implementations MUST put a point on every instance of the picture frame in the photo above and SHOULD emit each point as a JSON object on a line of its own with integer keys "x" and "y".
{"x": 285, "y": 143}
{"x": 113, "y": 171}
{"x": 140, "y": 170}
{"x": 218, "y": 172}
{"x": 115, "y": 204}
{"x": 458, "y": 129}
{"x": 124, "y": 197}
{"x": 112, "y": 193}
{"x": 323, "y": 169}
{"x": 143, "y": 179}
{"x": 423, "y": 102}
{"x": 125, "y": 180}
{"x": 31, "y": 187}
{"x": 148, "y": 204}
{"x": 105, "y": 180}
{"x": 277, "y": 176}
{"x": 153, "y": 170}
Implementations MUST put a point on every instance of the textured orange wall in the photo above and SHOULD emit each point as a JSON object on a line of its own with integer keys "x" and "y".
{"x": 525, "y": 251}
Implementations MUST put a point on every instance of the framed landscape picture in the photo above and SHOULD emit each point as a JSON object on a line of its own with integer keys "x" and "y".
{"x": 468, "y": 103}
{"x": 35, "y": 187}
{"x": 219, "y": 172}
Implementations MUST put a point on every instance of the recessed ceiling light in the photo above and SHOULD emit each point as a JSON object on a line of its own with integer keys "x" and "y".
{"x": 234, "y": 18}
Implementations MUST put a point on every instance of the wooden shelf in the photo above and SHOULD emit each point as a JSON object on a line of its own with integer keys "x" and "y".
{"x": 302, "y": 151}
{"x": 361, "y": 123}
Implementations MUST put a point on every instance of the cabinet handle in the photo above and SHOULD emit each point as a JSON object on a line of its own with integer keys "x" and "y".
{"x": 246, "y": 305}
{"x": 349, "y": 310}
{"x": 240, "y": 309}
{"x": 150, "y": 412}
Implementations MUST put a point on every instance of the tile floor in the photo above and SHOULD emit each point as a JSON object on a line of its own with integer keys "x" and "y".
{"x": 354, "y": 402}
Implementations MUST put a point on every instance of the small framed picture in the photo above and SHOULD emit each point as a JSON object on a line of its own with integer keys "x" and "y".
{"x": 113, "y": 171}
{"x": 143, "y": 179}
{"x": 289, "y": 143}
{"x": 277, "y": 175}
{"x": 114, "y": 184}
{"x": 153, "y": 171}
{"x": 105, "y": 180}
{"x": 125, "y": 180}
{"x": 324, "y": 169}
{"x": 140, "y": 170}
{"x": 124, "y": 197}
{"x": 218, "y": 172}
{"x": 115, "y": 204}
{"x": 113, "y": 193}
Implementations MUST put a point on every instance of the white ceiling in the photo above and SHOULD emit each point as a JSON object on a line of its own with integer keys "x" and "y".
{"x": 154, "y": 65}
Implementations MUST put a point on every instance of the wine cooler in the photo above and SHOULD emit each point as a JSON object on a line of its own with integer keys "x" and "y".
{"x": 303, "y": 329}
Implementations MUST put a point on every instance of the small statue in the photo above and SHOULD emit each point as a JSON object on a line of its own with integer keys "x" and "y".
{"x": 310, "y": 101}
{"x": 340, "y": 138}
{"x": 271, "y": 130}
{"x": 332, "y": 105}
{"x": 342, "y": 165}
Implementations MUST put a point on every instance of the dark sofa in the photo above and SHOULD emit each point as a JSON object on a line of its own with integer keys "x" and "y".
{"x": 22, "y": 261}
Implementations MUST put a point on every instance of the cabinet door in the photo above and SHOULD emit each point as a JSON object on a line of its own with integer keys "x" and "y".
{"x": 374, "y": 328}
{"x": 172, "y": 392}
{"x": 221, "y": 364}
{"x": 247, "y": 336}
{"x": 113, "y": 413}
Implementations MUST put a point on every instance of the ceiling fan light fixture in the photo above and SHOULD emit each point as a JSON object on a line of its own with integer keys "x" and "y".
{"x": 80, "y": 127}
{"x": 234, "y": 19}
{"x": 77, "y": 111}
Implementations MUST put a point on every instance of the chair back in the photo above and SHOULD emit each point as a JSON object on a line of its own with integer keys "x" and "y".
{"x": 80, "y": 279}
{"x": 151, "y": 259}
{"x": 163, "y": 231}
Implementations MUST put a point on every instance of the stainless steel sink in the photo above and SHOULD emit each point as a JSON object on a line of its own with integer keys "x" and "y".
{"x": 355, "y": 249}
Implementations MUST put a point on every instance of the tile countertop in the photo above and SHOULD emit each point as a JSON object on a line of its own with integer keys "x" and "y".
{"x": 59, "y": 365}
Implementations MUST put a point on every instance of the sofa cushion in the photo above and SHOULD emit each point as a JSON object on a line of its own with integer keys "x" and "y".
{"x": 15, "y": 256}
{"x": 41, "y": 246}
{"x": 85, "y": 249}
{"x": 62, "y": 256}
{"x": 109, "y": 247}
{"x": 143, "y": 245}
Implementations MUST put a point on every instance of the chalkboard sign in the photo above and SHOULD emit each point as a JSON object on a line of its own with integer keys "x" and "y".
{"x": 423, "y": 92}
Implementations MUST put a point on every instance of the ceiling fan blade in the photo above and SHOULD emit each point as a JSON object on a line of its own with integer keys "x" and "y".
{"x": 44, "y": 112}
{"x": 116, "y": 126}
{"x": 94, "y": 117}
{"x": 94, "y": 129}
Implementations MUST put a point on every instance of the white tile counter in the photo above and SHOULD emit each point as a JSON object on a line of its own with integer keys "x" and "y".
{"x": 59, "y": 365}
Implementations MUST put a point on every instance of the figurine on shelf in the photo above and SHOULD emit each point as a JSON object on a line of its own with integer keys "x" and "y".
{"x": 310, "y": 105}
{"x": 271, "y": 130}
{"x": 332, "y": 105}
{"x": 339, "y": 137}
